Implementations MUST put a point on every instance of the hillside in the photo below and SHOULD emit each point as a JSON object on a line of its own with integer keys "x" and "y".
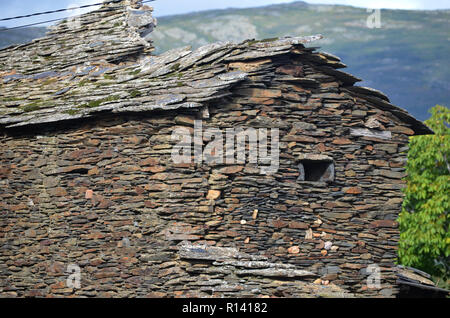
{"x": 407, "y": 58}
{"x": 18, "y": 36}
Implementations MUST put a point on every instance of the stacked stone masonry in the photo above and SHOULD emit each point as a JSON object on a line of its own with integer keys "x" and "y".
{"x": 98, "y": 188}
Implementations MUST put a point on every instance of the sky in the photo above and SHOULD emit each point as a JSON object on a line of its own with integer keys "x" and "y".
{"x": 12, "y": 8}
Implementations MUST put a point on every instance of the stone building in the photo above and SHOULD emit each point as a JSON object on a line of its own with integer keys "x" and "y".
{"x": 89, "y": 185}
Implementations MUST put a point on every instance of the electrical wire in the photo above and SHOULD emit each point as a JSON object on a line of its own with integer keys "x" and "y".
{"x": 60, "y": 10}
{"x": 59, "y": 19}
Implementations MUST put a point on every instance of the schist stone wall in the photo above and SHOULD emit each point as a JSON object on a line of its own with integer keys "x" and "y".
{"x": 105, "y": 195}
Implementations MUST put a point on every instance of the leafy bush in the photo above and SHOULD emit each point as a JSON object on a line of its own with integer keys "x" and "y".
{"x": 424, "y": 220}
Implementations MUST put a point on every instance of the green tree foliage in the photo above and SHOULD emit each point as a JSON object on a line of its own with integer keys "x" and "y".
{"x": 424, "y": 220}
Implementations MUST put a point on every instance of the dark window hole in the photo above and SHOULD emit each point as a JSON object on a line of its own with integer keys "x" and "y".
{"x": 78, "y": 171}
{"x": 316, "y": 171}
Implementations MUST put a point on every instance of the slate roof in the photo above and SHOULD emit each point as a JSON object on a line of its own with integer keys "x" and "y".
{"x": 409, "y": 276}
{"x": 104, "y": 65}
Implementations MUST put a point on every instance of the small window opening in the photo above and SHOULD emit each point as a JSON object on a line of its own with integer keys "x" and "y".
{"x": 79, "y": 171}
{"x": 316, "y": 171}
